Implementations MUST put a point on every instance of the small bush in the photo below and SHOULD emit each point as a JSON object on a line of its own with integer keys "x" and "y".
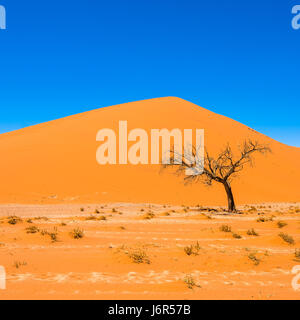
{"x": 81, "y": 209}
{"x": 252, "y": 257}
{"x": 281, "y": 224}
{"x": 225, "y": 228}
{"x": 114, "y": 210}
{"x": 139, "y": 256}
{"x": 252, "y": 232}
{"x": 14, "y": 220}
{"x": 149, "y": 215}
{"x": 236, "y": 236}
{"x": 264, "y": 219}
{"x": 192, "y": 249}
{"x": 285, "y": 237}
{"x": 32, "y": 229}
{"x": 53, "y": 236}
{"x": 297, "y": 253}
{"x": 190, "y": 282}
{"x": 19, "y": 264}
{"x": 77, "y": 233}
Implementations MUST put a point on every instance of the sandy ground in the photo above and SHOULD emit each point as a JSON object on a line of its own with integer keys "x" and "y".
{"x": 144, "y": 251}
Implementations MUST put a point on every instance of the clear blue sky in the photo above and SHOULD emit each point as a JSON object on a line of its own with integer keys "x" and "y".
{"x": 237, "y": 58}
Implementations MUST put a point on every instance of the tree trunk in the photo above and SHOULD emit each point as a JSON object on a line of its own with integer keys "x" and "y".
{"x": 231, "y": 204}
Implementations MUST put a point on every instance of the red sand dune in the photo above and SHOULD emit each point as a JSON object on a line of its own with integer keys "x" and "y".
{"x": 55, "y": 162}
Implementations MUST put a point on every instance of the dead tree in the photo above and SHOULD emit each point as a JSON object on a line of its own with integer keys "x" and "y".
{"x": 221, "y": 169}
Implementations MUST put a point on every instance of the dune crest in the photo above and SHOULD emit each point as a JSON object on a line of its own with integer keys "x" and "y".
{"x": 55, "y": 162}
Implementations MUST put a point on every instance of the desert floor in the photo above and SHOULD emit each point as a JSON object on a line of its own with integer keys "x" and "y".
{"x": 143, "y": 251}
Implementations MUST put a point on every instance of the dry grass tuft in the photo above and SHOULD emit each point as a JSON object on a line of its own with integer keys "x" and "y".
{"x": 32, "y": 229}
{"x": 139, "y": 256}
{"x": 252, "y": 232}
{"x": 225, "y": 228}
{"x": 285, "y": 237}
{"x": 77, "y": 233}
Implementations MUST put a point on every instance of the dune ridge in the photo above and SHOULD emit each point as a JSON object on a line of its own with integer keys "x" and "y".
{"x": 55, "y": 162}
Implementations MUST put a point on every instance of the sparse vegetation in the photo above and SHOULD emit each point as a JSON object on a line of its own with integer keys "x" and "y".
{"x": 190, "y": 282}
{"x": 281, "y": 224}
{"x": 139, "y": 256}
{"x": 18, "y": 264}
{"x": 297, "y": 253}
{"x": 32, "y": 229}
{"x": 77, "y": 233}
{"x": 52, "y": 234}
{"x": 264, "y": 219}
{"x": 114, "y": 210}
{"x": 252, "y": 256}
{"x": 252, "y": 232}
{"x": 149, "y": 215}
{"x": 81, "y": 209}
{"x": 192, "y": 249}
{"x": 225, "y": 228}
{"x": 285, "y": 237}
{"x": 14, "y": 220}
{"x": 236, "y": 236}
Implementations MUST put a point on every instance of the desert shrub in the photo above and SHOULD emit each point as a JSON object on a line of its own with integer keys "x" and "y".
{"x": 285, "y": 237}
{"x": 41, "y": 218}
{"x": 281, "y": 224}
{"x": 32, "y": 229}
{"x": 225, "y": 228}
{"x": 14, "y": 220}
{"x": 77, "y": 233}
{"x": 264, "y": 219}
{"x": 103, "y": 218}
{"x": 139, "y": 256}
{"x": 97, "y": 211}
{"x": 19, "y": 264}
{"x": 297, "y": 253}
{"x": 192, "y": 249}
{"x": 53, "y": 236}
{"x": 252, "y": 232}
{"x": 114, "y": 210}
{"x": 236, "y": 236}
{"x": 252, "y": 257}
{"x": 190, "y": 282}
{"x": 81, "y": 209}
{"x": 29, "y": 221}
{"x": 149, "y": 215}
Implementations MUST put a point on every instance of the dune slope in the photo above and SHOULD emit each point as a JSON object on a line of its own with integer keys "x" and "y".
{"x": 55, "y": 162}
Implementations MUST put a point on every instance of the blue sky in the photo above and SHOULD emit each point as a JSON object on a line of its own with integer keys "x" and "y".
{"x": 236, "y": 58}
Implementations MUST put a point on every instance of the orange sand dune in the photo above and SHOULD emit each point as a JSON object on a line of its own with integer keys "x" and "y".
{"x": 55, "y": 162}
